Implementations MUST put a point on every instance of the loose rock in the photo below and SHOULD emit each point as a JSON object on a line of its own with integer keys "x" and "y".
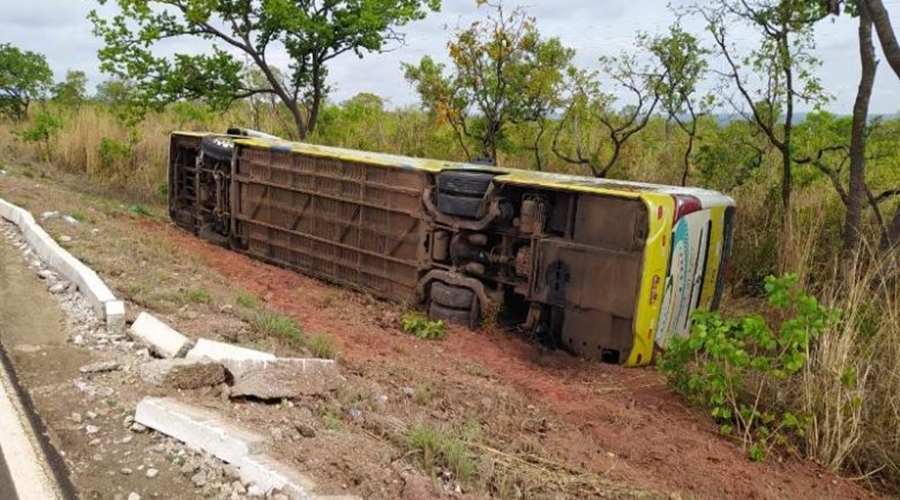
{"x": 182, "y": 373}
{"x": 102, "y": 366}
{"x": 305, "y": 430}
{"x": 283, "y": 378}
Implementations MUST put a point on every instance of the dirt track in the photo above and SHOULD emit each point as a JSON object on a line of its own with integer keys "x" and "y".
{"x": 586, "y": 420}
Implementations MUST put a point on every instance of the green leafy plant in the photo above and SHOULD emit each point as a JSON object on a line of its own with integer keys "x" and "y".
{"x": 113, "y": 155}
{"x": 42, "y": 130}
{"x": 734, "y": 367}
{"x": 417, "y": 324}
{"x": 138, "y": 209}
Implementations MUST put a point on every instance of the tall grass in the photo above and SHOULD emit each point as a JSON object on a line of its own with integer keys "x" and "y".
{"x": 852, "y": 383}
{"x": 850, "y": 386}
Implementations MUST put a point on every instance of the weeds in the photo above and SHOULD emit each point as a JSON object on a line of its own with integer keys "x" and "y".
{"x": 246, "y": 300}
{"x": 440, "y": 450}
{"x": 417, "y": 324}
{"x": 322, "y": 346}
{"x": 138, "y": 210}
{"x": 198, "y": 295}
{"x": 423, "y": 394}
{"x": 268, "y": 323}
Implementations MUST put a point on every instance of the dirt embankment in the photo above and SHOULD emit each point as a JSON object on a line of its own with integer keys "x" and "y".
{"x": 624, "y": 423}
{"x": 550, "y": 426}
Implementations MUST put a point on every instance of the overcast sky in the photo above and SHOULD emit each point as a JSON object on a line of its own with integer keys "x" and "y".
{"x": 60, "y": 30}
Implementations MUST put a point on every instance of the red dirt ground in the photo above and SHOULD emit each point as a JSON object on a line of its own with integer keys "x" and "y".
{"x": 638, "y": 431}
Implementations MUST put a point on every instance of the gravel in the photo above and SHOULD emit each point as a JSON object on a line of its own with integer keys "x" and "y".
{"x": 212, "y": 478}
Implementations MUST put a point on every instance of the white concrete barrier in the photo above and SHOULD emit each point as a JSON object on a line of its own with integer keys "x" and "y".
{"x": 269, "y": 474}
{"x": 198, "y": 428}
{"x": 159, "y": 337}
{"x": 220, "y": 351}
{"x": 203, "y": 430}
{"x": 90, "y": 285}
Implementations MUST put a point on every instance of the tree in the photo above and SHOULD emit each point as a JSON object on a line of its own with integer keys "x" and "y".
{"x": 857, "y": 192}
{"x": 771, "y": 79}
{"x": 882, "y": 22}
{"x": 504, "y": 73}
{"x": 311, "y": 32}
{"x": 587, "y": 106}
{"x": 115, "y": 92}
{"x": 73, "y": 90}
{"x": 24, "y": 76}
{"x": 682, "y": 60}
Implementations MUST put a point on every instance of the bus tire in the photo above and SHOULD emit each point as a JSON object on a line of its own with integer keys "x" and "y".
{"x": 217, "y": 147}
{"x": 450, "y": 315}
{"x": 454, "y": 297}
{"x": 462, "y": 206}
{"x": 465, "y": 183}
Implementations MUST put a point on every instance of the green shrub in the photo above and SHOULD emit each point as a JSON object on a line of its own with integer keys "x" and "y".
{"x": 198, "y": 295}
{"x": 736, "y": 368}
{"x": 114, "y": 156}
{"x": 44, "y": 127}
{"x": 417, "y": 324}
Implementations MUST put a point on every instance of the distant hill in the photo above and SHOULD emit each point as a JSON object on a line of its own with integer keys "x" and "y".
{"x": 726, "y": 118}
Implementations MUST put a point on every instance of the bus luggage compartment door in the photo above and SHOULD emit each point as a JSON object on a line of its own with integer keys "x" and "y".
{"x": 595, "y": 290}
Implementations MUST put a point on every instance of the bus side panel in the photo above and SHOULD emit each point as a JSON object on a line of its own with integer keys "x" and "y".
{"x": 352, "y": 223}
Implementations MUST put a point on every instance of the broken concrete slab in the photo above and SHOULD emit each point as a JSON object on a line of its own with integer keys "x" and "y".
{"x": 161, "y": 339}
{"x": 283, "y": 377}
{"x": 219, "y": 351}
{"x": 268, "y": 474}
{"x": 200, "y": 429}
{"x": 183, "y": 373}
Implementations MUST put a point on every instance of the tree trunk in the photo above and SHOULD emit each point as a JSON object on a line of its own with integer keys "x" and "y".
{"x": 299, "y": 122}
{"x": 857, "y": 192}
{"x": 882, "y": 22}
{"x": 316, "y": 98}
{"x": 688, "y": 151}
{"x": 891, "y": 237}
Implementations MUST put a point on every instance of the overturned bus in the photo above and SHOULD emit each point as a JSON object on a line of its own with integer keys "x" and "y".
{"x": 604, "y": 268}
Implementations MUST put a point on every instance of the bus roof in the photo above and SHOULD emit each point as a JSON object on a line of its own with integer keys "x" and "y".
{"x": 549, "y": 180}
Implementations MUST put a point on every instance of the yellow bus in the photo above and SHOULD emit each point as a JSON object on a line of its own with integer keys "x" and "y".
{"x": 606, "y": 269}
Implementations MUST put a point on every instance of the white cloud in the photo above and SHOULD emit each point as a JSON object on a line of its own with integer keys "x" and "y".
{"x": 59, "y": 29}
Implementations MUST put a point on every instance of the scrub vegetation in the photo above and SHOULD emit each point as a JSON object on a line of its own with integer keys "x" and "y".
{"x": 804, "y": 364}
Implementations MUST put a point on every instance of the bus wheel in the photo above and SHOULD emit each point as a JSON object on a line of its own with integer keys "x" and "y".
{"x": 464, "y": 183}
{"x": 450, "y": 315}
{"x": 462, "y": 206}
{"x": 454, "y": 297}
{"x": 217, "y": 148}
